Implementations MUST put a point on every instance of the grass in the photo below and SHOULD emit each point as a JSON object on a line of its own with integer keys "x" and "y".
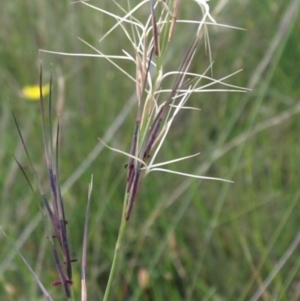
{"x": 195, "y": 240}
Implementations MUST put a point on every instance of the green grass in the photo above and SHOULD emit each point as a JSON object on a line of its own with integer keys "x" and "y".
{"x": 198, "y": 240}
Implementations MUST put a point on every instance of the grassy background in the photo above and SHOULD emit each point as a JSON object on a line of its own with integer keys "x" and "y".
{"x": 197, "y": 240}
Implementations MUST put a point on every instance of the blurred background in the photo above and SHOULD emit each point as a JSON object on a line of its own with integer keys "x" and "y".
{"x": 186, "y": 239}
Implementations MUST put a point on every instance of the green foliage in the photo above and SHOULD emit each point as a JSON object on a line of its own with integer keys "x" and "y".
{"x": 197, "y": 240}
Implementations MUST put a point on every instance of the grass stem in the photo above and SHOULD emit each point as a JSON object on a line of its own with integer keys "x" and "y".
{"x": 117, "y": 249}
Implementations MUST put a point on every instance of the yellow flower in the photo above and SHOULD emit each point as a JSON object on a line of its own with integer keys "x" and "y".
{"x": 33, "y": 92}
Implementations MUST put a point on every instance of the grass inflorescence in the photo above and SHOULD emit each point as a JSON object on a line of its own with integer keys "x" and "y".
{"x": 54, "y": 209}
{"x": 154, "y": 50}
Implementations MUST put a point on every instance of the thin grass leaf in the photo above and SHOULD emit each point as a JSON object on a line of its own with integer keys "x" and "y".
{"x": 84, "y": 244}
{"x": 43, "y": 289}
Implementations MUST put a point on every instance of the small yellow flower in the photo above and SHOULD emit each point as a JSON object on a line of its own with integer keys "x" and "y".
{"x": 33, "y": 92}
